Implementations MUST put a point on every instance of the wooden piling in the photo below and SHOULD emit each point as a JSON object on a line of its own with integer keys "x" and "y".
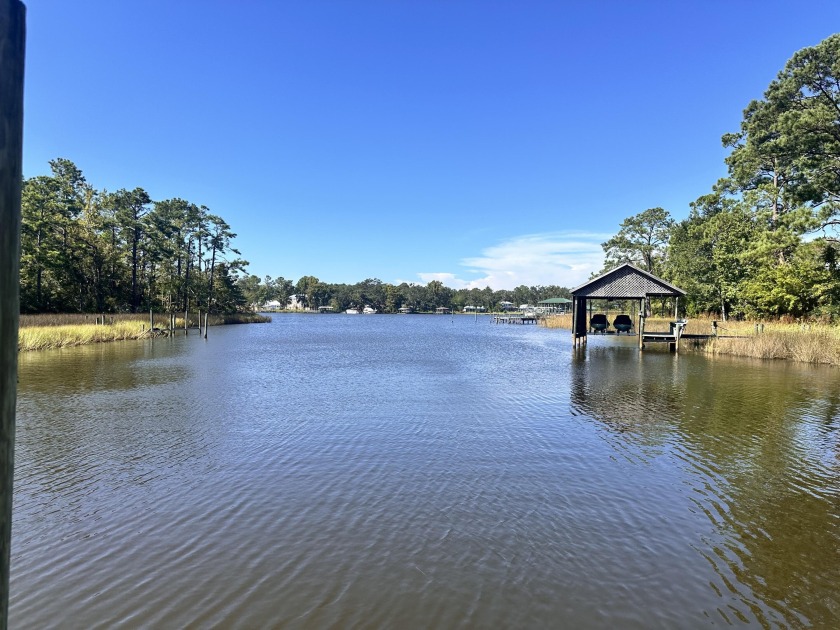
{"x": 642, "y": 329}
{"x": 186, "y": 322}
{"x": 205, "y": 324}
{"x": 12, "y": 44}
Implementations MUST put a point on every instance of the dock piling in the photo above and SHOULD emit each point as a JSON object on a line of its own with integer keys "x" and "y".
{"x": 12, "y": 45}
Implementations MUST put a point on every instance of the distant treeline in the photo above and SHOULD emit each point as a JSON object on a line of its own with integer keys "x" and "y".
{"x": 88, "y": 250}
{"x": 764, "y": 241}
{"x": 388, "y": 298}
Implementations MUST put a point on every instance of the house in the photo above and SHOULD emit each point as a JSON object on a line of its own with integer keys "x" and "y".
{"x": 296, "y": 302}
{"x": 272, "y": 306}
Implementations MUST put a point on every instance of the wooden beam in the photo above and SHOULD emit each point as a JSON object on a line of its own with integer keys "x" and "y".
{"x": 12, "y": 41}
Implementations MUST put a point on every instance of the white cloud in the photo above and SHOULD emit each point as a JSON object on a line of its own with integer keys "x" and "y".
{"x": 560, "y": 258}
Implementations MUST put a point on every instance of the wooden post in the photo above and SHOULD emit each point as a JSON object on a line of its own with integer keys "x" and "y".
{"x": 186, "y": 324}
{"x": 151, "y": 321}
{"x": 12, "y": 40}
{"x": 205, "y": 324}
{"x": 642, "y": 326}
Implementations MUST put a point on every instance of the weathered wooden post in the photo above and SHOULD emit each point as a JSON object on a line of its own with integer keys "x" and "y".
{"x": 642, "y": 313}
{"x": 186, "y": 322}
{"x": 12, "y": 39}
{"x": 205, "y": 324}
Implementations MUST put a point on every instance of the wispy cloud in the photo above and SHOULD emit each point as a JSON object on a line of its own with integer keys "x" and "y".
{"x": 560, "y": 258}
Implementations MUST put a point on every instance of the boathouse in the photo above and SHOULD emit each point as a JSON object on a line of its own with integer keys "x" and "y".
{"x": 625, "y": 282}
{"x": 553, "y": 305}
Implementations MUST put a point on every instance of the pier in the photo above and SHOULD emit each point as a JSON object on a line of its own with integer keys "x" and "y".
{"x": 515, "y": 319}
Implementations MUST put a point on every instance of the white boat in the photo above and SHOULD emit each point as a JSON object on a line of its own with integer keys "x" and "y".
{"x": 369, "y": 311}
{"x": 352, "y": 311}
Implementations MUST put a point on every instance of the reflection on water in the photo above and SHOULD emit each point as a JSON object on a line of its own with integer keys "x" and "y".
{"x": 421, "y": 471}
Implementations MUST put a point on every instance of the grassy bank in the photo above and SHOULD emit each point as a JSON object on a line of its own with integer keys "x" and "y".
{"x": 809, "y": 343}
{"x": 43, "y": 332}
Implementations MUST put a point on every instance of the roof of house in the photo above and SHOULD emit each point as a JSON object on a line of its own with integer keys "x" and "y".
{"x": 555, "y": 301}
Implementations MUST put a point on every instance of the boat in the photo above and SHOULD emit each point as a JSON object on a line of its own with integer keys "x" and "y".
{"x": 352, "y": 311}
{"x": 369, "y": 311}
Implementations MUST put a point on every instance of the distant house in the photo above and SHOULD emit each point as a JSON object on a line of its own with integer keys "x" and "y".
{"x": 474, "y": 309}
{"x": 405, "y": 310}
{"x": 506, "y": 306}
{"x": 272, "y": 306}
{"x": 296, "y": 302}
{"x": 442, "y": 310}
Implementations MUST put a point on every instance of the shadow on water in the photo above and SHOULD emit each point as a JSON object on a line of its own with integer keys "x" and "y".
{"x": 758, "y": 448}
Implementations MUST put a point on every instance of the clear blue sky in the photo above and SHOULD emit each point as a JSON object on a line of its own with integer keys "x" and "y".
{"x": 477, "y": 142}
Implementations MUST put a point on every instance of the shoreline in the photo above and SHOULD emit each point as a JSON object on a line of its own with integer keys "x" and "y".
{"x": 59, "y": 331}
{"x": 817, "y": 344}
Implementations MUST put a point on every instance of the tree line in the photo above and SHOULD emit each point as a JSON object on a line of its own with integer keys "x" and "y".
{"x": 385, "y": 297}
{"x": 764, "y": 241}
{"x": 89, "y": 250}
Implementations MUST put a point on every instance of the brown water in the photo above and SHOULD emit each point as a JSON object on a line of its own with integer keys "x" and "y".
{"x": 421, "y": 472}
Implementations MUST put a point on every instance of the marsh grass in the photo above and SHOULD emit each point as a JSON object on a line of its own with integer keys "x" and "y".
{"x": 63, "y": 336}
{"x": 42, "y": 332}
{"x": 557, "y": 321}
{"x": 808, "y": 343}
{"x": 817, "y": 344}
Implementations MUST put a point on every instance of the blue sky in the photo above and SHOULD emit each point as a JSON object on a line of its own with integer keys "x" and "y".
{"x": 477, "y": 142}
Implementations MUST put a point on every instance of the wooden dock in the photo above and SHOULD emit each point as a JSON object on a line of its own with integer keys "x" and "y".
{"x": 514, "y": 319}
{"x": 672, "y": 339}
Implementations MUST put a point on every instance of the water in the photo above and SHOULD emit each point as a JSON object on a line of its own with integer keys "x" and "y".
{"x": 421, "y": 472}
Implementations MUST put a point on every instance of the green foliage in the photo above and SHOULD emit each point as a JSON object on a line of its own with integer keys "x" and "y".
{"x": 84, "y": 250}
{"x": 706, "y": 253}
{"x": 764, "y": 241}
{"x": 788, "y": 148}
{"x": 388, "y": 298}
{"x": 641, "y": 240}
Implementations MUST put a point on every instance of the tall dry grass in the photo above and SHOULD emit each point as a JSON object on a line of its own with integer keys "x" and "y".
{"x": 817, "y": 344}
{"x": 557, "y": 321}
{"x": 42, "y": 332}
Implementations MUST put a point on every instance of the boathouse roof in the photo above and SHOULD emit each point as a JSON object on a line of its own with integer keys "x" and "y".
{"x": 626, "y": 282}
{"x": 555, "y": 300}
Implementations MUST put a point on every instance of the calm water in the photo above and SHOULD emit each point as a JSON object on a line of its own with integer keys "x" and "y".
{"x": 421, "y": 472}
